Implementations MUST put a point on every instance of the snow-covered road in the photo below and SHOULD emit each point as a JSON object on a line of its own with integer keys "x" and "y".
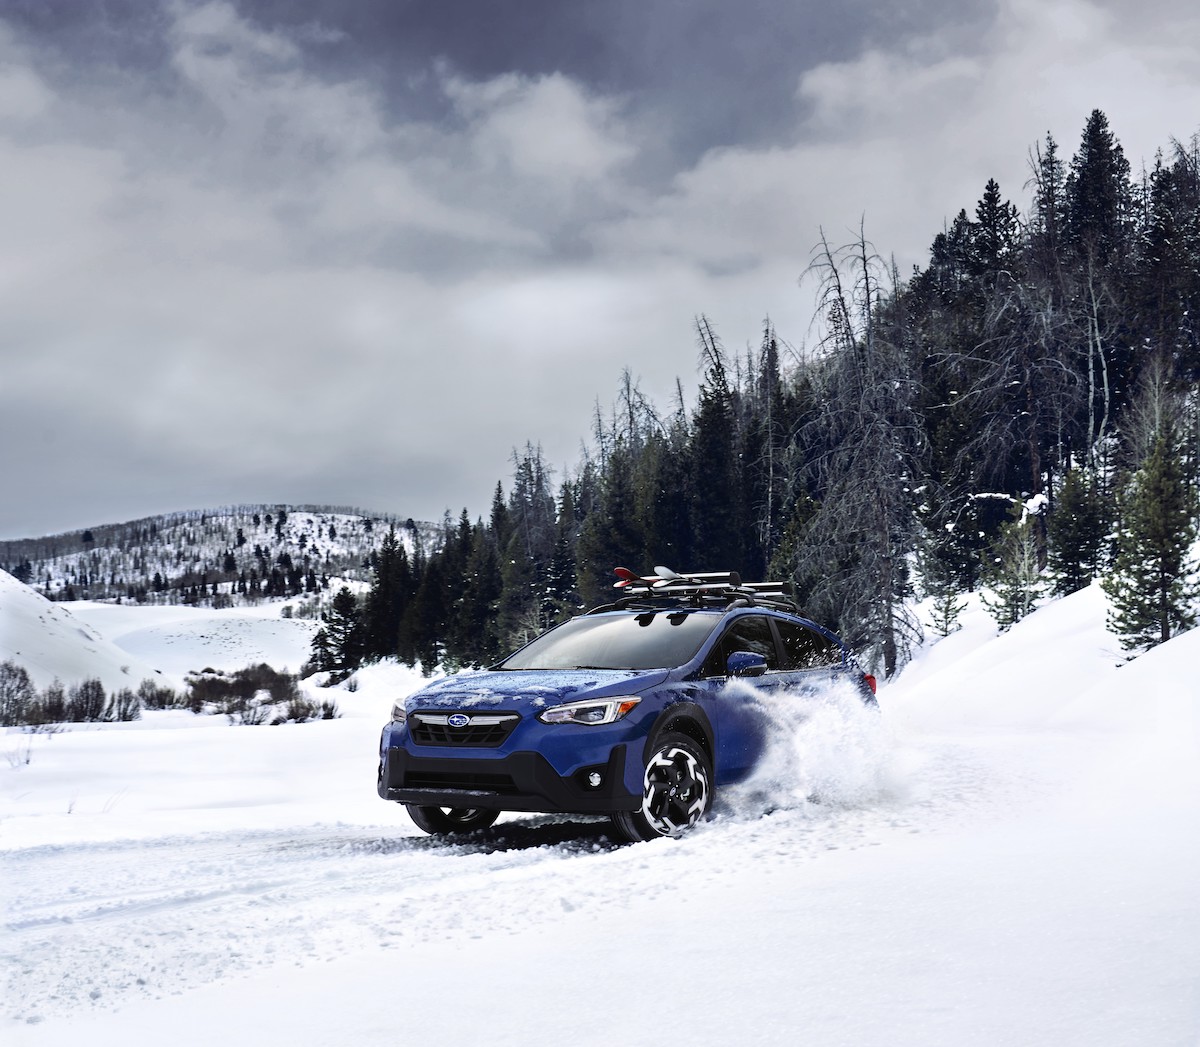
{"x": 974, "y": 873}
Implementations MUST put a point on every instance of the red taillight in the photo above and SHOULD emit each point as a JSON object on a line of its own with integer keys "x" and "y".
{"x": 870, "y": 681}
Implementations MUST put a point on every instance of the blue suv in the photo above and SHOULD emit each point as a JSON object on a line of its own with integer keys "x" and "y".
{"x": 624, "y": 710}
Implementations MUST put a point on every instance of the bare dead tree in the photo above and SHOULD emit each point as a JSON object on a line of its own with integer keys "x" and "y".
{"x": 851, "y": 562}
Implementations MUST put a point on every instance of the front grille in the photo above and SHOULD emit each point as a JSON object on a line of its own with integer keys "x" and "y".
{"x": 481, "y": 732}
{"x": 493, "y": 783}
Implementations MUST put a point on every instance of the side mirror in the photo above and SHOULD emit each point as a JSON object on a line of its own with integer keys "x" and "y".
{"x": 743, "y": 663}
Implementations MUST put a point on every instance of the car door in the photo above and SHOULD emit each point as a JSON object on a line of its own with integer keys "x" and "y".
{"x": 735, "y": 715}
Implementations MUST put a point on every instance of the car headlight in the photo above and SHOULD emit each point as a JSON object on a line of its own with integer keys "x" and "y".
{"x": 399, "y": 713}
{"x": 609, "y": 710}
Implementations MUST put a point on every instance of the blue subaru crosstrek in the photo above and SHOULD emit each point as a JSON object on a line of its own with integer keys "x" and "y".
{"x": 625, "y": 710}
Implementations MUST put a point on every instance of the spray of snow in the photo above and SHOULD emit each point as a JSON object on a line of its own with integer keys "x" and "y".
{"x": 824, "y": 748}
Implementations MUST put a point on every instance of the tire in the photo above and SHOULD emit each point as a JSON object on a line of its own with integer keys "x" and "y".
{"x": 676, "y": 791}
{"x": 441, "y": 821}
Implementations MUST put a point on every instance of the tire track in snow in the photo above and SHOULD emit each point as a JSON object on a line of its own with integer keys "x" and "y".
{"x": 93, "y": 925}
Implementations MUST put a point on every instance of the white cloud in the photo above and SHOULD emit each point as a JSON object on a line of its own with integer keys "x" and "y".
{"x": 544, "y": 128}
{"x": 23, "y": 96}
{"x": 266, "y": 106}
{"x": 216, "y": 28}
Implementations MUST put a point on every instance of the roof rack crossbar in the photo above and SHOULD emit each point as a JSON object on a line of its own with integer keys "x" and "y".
{"x": 669, "y": 588}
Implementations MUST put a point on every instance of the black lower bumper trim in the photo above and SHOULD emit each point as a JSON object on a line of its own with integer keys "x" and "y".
{"x": 520, "y": 782}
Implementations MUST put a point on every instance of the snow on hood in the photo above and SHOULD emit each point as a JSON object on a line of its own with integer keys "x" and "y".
{"x": 537, "y": 688}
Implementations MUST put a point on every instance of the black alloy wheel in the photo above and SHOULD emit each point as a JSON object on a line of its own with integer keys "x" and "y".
{"x": 676, "y": 793}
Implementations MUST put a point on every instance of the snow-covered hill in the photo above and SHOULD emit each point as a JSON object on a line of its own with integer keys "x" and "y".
{"x": 1008, "y": 854}
{"x": 122, "y": 644}
{"x": 180, "y": 640}
{"x": 233, "y": 555}
{"x": 53, "y": 643}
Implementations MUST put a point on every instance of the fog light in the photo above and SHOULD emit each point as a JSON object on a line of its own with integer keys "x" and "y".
{"x": 594, "y": 779}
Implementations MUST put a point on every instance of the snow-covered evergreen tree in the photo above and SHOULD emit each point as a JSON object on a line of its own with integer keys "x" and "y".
{"x": 1153, "y": 587}
{"x": 341, "y": 647}
{"x": 1016, "y": 579}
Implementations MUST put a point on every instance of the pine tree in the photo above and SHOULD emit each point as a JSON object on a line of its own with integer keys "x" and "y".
{"x": 1097, "y": 194}
{"x": 995, "y": 233}
{"x": 343, "y": 643}
{"x": 766, "y": 425}
{"x": 946, "y": 609}
{"x": 1153, "y": 587}
{"x": 1016, "y": 580}
{"x": 531, "y": 520}
{"x": 562, "y": 594}
{"x": 610, "y": 536}
{"x": 425, "y": 626}
{"x": 1170, "y": 276}
{"x": 1076, "y": 532}
{"x": 715, "y": 480}
{"x": 662, "y": 499}
{"x": 940, "y": 575}
{"x": 387, "y": 599}
{"x": 475, "y": 637}
{"x": 323, "y": 657}
{"x": 1049, "y": 213}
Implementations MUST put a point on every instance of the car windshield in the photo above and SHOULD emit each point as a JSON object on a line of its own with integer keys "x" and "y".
{"x": 649, "y": 640}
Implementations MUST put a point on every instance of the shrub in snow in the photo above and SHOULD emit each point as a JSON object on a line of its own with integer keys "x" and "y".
{"x": 301, "y": 710}
{"x": 86, "y": 702}
{"x": 22, "y": 706}
{"x": 17, "y": 694}
{"x": 250, "y": 713}
{"x": 123, "y": 705}
{"x": 53, "y": 704}
{"x": 159, "y": 696}
{"x": 255, "y": 695}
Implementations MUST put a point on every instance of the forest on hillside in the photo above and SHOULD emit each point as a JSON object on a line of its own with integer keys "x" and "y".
{"x": 225, "y": 557}
{"x": 1021, "y": 413}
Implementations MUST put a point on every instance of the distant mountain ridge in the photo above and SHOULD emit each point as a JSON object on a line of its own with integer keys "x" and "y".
{"x": 218, "y": 557}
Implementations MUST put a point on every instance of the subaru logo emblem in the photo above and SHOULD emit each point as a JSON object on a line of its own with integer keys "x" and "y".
{"x": 458, "y": 720}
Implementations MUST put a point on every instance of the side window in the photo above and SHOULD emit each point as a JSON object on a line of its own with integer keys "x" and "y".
{"x": 753, "y": 634}
{"x": 806, "y": 648}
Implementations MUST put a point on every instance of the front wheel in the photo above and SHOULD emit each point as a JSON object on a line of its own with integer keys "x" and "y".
{"x": 439, "y": 821}
{"x": 676, "y": 791}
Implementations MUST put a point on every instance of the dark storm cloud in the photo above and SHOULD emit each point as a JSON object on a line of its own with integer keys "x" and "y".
{"x": 356, "y": 252}
{"x": 700, "y": 73}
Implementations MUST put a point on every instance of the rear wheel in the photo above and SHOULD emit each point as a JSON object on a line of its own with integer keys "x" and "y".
{"x": 676, "y": 791}
{"x": 439, "y": 821}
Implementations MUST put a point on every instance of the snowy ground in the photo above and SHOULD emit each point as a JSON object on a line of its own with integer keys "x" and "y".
{"x": 1008, "y": 855}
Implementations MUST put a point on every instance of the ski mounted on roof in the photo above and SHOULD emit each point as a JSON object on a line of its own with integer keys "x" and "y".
{"x": 715, "y": 589}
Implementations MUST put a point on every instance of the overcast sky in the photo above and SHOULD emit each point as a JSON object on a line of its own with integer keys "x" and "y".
{"x": 355, "y": 251}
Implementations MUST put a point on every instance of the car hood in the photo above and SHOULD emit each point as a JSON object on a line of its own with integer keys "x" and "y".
{"x": 536, "y": 689}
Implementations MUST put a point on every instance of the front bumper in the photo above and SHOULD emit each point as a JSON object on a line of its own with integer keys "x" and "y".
{"x": 520, "y": 781}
